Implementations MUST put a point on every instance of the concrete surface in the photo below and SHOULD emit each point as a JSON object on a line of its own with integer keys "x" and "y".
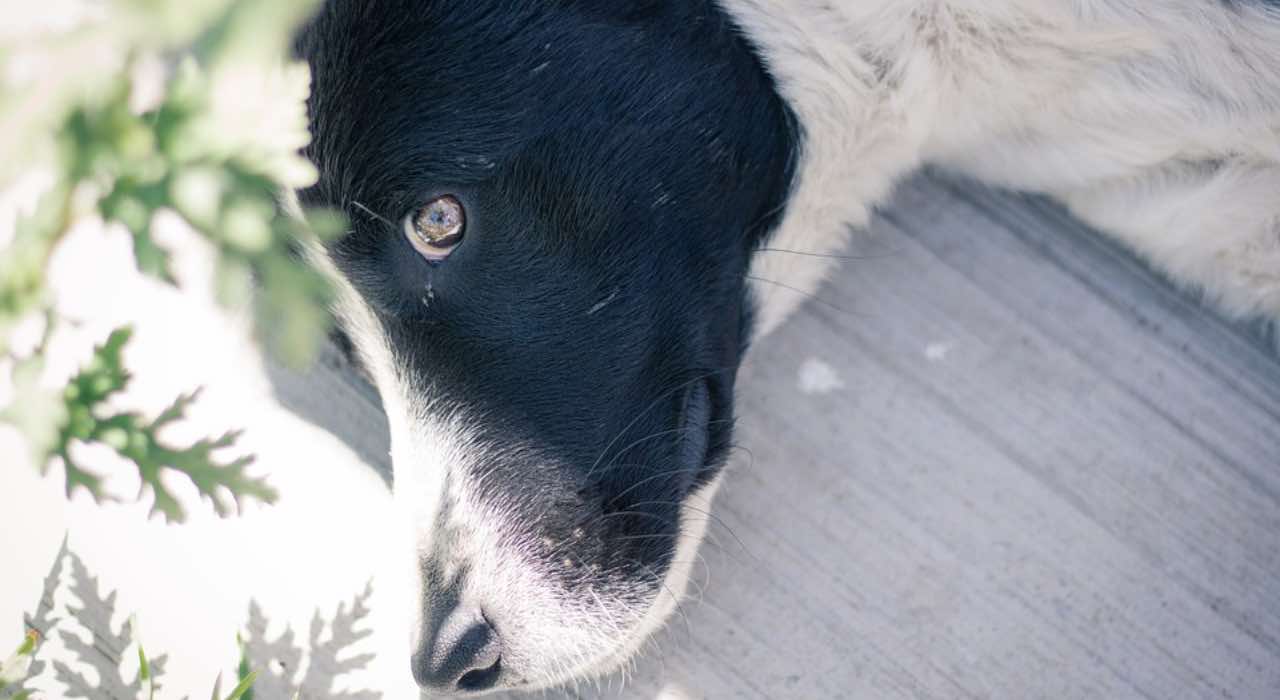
{"x": 996, "y": 458}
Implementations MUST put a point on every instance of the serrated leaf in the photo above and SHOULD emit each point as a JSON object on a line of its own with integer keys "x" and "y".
{"x": 197, "y": 462}
{"x": 139, "y": 441}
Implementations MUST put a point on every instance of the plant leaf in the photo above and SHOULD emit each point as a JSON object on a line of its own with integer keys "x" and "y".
{"x": 243, "y": 687}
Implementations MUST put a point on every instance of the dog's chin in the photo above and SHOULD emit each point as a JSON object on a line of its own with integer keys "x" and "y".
{"x": 499, "y": 604}
{"x": 551, "y": 642}
{"x": 667, "y": 600}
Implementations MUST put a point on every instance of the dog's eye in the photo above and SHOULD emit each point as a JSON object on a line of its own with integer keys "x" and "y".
{"x": 437, "y": 228}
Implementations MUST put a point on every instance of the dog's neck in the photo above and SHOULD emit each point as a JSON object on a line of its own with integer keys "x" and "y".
{"x": 880, "y": 87}
{"x": 856, "y": 138}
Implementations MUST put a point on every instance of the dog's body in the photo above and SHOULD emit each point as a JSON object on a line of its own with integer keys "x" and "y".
{"x": 1156, "y": 120}
{"x": 560, "y": 387}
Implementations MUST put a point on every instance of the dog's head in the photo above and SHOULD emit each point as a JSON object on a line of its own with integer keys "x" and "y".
{"x": 553, "y": 207}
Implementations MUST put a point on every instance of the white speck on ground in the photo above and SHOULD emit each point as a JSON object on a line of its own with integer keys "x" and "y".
{"x": 817, "y": 377}
{"x": 937, "y": 352}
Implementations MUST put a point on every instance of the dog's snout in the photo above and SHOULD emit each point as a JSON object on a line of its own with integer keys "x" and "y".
{"x": 462, "y": 655}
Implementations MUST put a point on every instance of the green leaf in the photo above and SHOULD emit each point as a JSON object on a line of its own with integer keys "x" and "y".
{"x": 15, "y": 668}
{"x": 243, "y": 670}
{"x": 144, "y": 666}
{"x": 104, "y": 375}
{"x": 253, "y": 30}
{"x": 96, "y": 382}
{"x": 29, "y": 642}
{"x": 197, "y": 193}
{"x": 35, "y": 411}
{"x": 84, "y": 418}
{"x": 211, "y": 477}
{"x": 240, "y": 692}
{"x": 23, "y": 284}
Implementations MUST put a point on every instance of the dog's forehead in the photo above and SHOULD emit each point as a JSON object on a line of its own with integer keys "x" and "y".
{"x": 438, "y": 90}
{"x": 611, "y": 202}
{"x": 455, "y": 91}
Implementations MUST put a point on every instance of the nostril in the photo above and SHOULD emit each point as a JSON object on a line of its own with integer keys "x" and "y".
{"x": 481, "y": 678}
{"x": 463, "y": 654}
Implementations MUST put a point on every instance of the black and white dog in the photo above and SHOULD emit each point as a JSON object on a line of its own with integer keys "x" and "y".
{"x": 556, "y": 206}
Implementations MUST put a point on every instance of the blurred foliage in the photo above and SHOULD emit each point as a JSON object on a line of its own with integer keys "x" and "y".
{"x": 148, "y": 106}
{"x": 15, "y": 669}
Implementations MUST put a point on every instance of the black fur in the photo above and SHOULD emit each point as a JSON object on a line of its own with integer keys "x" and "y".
{"x": 619, "y": 161}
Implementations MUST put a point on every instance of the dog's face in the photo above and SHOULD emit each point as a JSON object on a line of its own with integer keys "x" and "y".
{"x": 552, "y": 205}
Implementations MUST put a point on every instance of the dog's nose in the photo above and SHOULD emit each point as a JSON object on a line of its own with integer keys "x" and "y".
{"x": 462, "y": 655}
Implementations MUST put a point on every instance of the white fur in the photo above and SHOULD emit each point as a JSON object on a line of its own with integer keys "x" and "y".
{"x": 693, "y": 527}
{"x": 549, "y": 637}
{"x": 1156, "y": 120}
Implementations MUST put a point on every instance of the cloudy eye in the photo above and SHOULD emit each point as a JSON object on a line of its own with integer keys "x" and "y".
{"x": 437, "y": 228}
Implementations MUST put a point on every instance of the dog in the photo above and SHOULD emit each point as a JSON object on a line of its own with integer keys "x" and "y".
{"x": 560, "y": 211}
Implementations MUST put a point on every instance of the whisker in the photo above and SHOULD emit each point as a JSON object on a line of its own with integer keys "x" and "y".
{"x": 650, "y": 407}
{"x": 373, "y": 214}
{"x": 708, "y": 535}
{"x": 688, "y": 630}
{"x": 657, "y": 536}
{"x": 622, "y": 513}
{"x": 707, "y": 513}
{"x": 770, "y": 212}
{"x": 751, "y": 456}
{"x": 801, "y": 292}
{"x": 651, "y": 644}
{"x": 616, "y": 465}
{"x": 831, "y": 256}
{"x": 659, "y": 475}
{"x": 661, "y": 433}
{"x": 619, "y": 465}
{"x": 709, "y": 538}
{"x": 699, "y": 559}
{"x": 703, "y": 602}
{"x": 652, "y": 536}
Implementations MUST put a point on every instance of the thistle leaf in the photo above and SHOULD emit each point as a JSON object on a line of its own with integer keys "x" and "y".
{"x": 225, "y": 483}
